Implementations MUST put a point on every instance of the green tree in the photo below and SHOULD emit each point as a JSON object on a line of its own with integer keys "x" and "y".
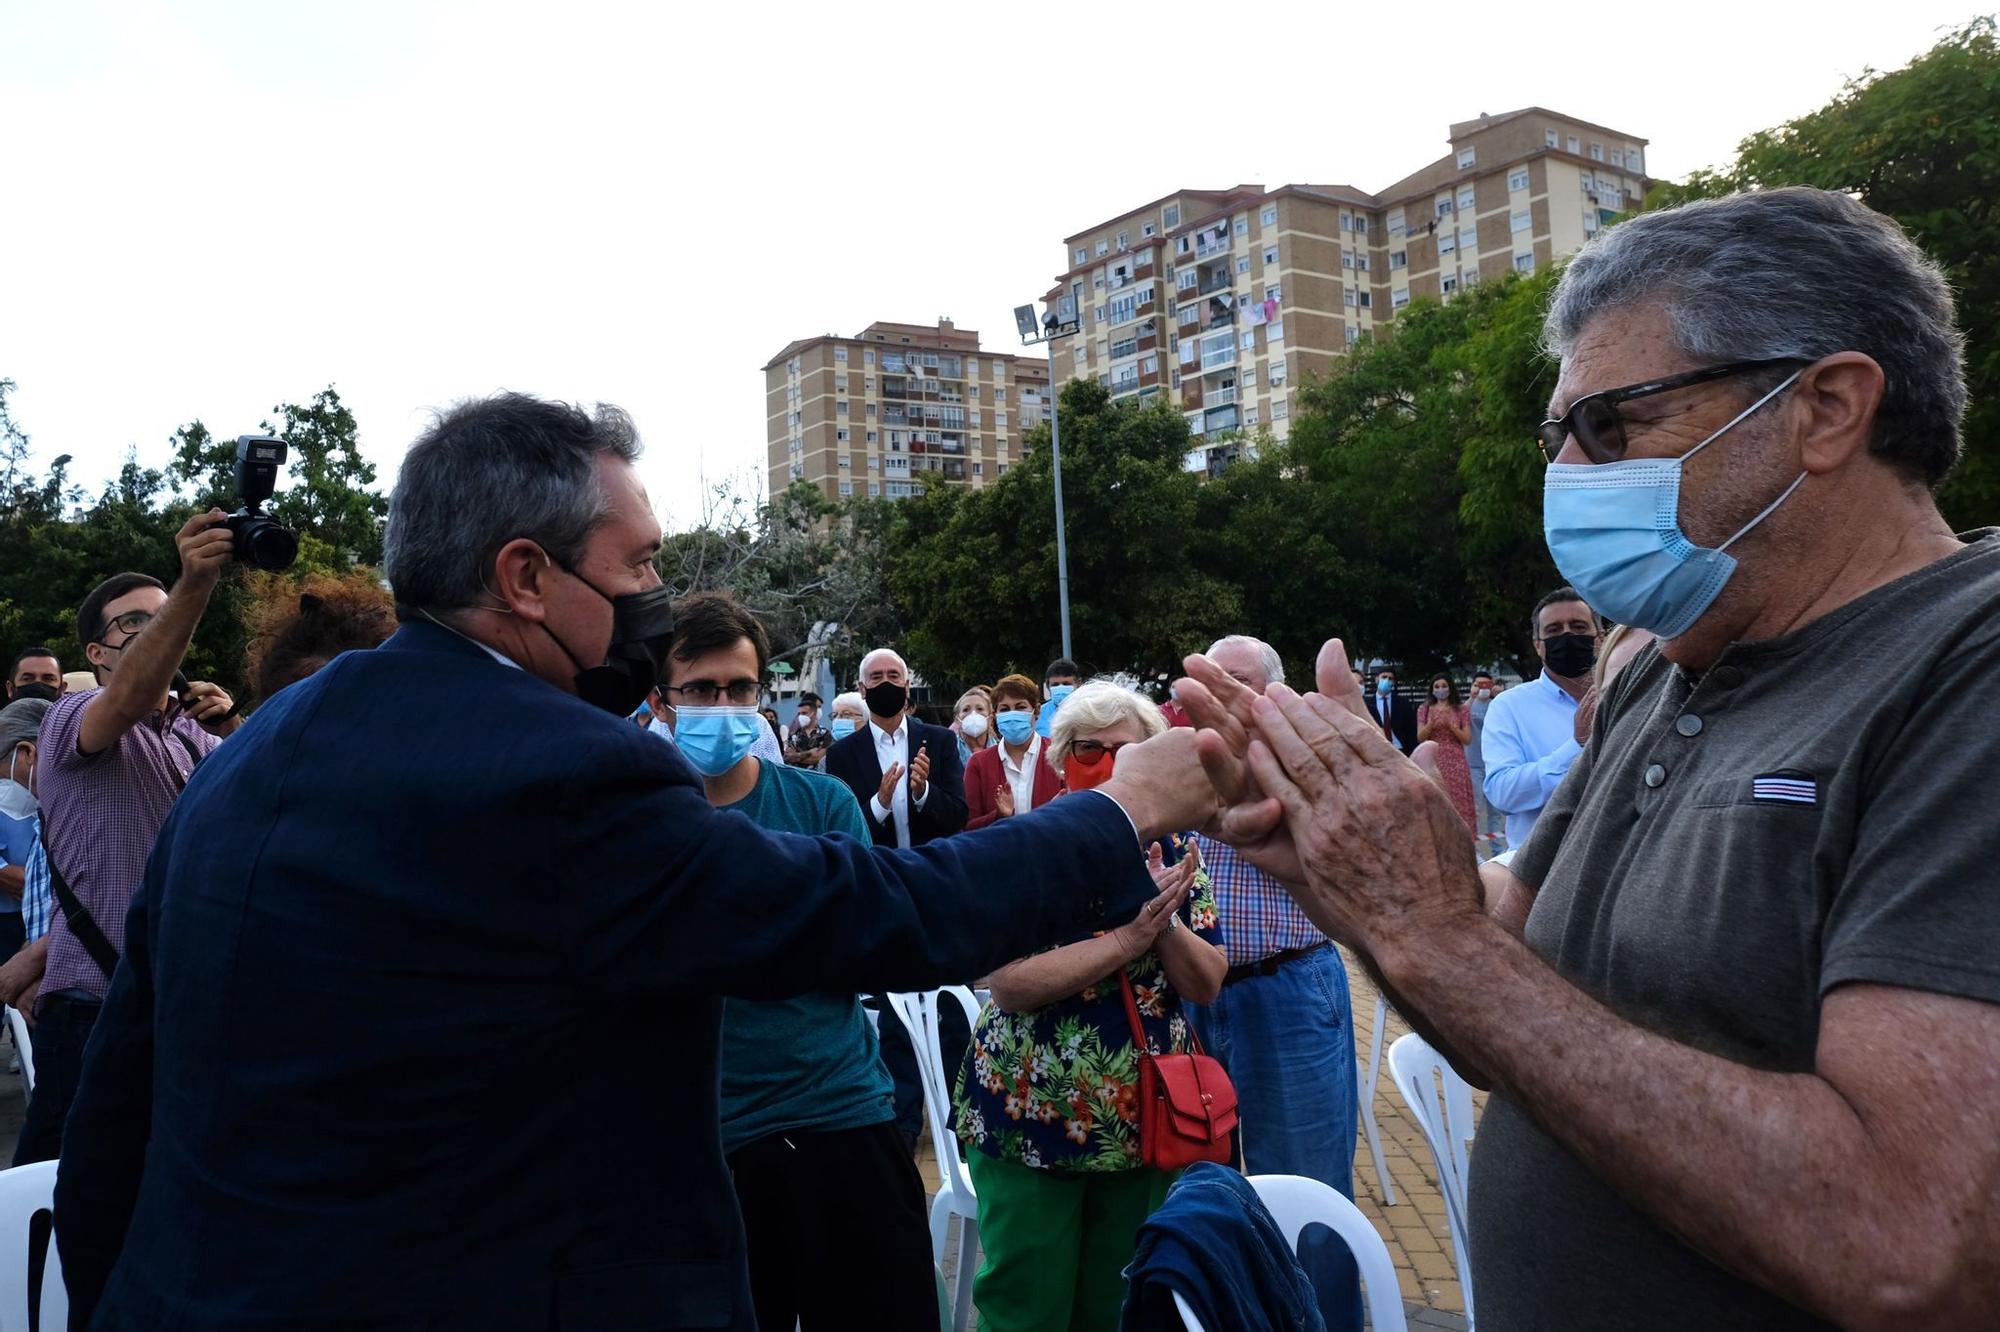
{"x": 973, "y": 572}
{"x": 1922, "y": 145}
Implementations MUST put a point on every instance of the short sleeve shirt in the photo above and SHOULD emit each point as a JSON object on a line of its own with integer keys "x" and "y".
{"x": 1812, "y": 811}
{"x": 102, "y": 812}
{"x": 1057, "y": 1087}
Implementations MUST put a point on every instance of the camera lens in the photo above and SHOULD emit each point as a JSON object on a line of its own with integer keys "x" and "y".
{"x": 263, "y": 543}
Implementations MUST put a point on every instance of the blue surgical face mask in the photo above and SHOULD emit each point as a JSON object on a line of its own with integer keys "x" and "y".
{"x": 1015, "y": 727}
{"x": 1057, "y": 693}
{"x": 1614, "y": 531}
{"x": 1385, "y": 686}
{"x": 843, "y": 727}
{"x": 716, "y": 739}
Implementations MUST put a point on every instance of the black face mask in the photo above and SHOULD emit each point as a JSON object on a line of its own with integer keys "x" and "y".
{"x": 887, "y": 699}
{"x": 1570, "y": 655}
{"x": 47, "y": 692}
{"x": 642, "y": 630}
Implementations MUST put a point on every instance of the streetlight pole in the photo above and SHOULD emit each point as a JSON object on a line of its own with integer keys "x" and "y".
{"x": 1060, "y": 322}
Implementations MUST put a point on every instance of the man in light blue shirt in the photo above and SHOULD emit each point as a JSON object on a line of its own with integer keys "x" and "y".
{"x": 1530, "y": 734}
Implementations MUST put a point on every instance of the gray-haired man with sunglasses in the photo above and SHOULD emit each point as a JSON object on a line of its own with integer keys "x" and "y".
{"x": 111, "y": 762}
{"x": 1737, "y": 998}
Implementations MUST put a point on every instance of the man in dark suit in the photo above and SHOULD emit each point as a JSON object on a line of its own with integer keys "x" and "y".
{"x": 1395, "y": 716}
{"x": 906, "y": 775}
{"x": 432, "y": 954}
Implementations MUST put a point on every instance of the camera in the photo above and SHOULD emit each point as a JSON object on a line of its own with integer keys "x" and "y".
{"x": 261, "y": 540}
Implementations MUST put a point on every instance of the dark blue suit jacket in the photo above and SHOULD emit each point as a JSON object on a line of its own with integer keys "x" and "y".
{"x": 855, "y": 762}
{"x": 417, "y": 1025}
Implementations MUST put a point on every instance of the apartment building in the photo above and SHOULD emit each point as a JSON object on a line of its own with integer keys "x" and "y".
{"x": 1225, "y": 301}
{"x": 875, "y": 413}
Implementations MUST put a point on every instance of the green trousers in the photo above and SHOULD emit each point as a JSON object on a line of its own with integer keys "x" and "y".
{"x": 1057, "y": 1245}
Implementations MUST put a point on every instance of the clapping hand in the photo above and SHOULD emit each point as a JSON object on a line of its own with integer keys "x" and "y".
{"x": 1174, "y": 882}
{"x": 1003, "y": 800}
{"x": 889, "y": 780}
{"x": 920, "y": 772}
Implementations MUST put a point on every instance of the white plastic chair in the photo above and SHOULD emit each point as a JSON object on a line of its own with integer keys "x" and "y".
{"x": 1441, "y": 1103}
{"x": 27, "y": 1192}
{"x": 1296, "y": 1202}
{"x": 17, "y": 1027}
{"x": 1368, "y": 1085}
{"x": 955, "y": 1199}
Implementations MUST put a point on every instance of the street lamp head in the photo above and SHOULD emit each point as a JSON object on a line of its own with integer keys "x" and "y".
{"x": 1024, "y": 320}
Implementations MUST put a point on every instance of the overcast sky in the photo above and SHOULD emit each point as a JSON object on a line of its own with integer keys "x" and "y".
{"x": 210, "y": 208}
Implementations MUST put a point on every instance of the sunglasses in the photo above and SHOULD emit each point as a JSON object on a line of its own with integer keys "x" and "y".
{"x": 1593, "y": 420}
{"x": 1091, "y": 750}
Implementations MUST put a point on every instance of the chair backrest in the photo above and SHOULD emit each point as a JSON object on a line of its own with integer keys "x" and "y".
{"x": 17, "y": 1027}
{"x": 1441, "y": 1102}
{"x": 918, "y": 1012}
{"x": 28, "y": 1251}
{"x": 1296, "y": 1202}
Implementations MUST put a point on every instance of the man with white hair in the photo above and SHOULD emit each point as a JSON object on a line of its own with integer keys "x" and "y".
{"x": 1284, "y": 1025}
{"x": 907, "y": 776}
{"x": 1737, "y": 998}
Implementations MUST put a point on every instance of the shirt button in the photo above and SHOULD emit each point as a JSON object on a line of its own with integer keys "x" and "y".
{"x": 1094, "y": 908}
{"x": 1655, "y": 775}
{"x": 1689, "y": 726}
{"x": 1727, "y": 677}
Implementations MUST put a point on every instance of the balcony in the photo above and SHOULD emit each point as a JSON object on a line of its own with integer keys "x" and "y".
{"x": 1214, "y": 361}
{"x": 1221, "y": 313}
{"x": 1213, "y": 282}
{"x": 1222, "y": 397}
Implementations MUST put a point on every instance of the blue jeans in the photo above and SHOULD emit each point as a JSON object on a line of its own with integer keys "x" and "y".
{"x": 1288, "y": 1043}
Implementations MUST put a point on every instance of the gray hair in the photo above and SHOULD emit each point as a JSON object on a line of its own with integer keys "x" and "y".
{"x": 1793, "y": 272}
{"x": 21, "y": 721}
{"x": 488, "y": 472}
{"x": 1094, "y": 706}
{"x": 1268, "y": 660}
{"x": 862, "y": 669}
{"x": 847, "y": 700}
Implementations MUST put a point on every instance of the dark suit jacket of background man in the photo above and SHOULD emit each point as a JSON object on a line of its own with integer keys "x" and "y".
{"x": 855, "y": 762}
{"x": 429, "y": 958}
{"x": 1402, "y": 719}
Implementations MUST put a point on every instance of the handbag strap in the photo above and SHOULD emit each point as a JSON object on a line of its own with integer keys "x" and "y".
{"x": 81, "y": 923}
{"x": 1138, "y": 1030}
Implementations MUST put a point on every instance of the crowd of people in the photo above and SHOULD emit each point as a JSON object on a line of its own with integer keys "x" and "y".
{"x": 511, "y": 963}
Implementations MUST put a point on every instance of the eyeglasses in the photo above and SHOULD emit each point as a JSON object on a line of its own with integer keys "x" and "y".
{"x": 1092, "y": 750}
{"x": 131, "y": 622}
{"x": 1599, "y": 430}
{"x": 705, "y": 693}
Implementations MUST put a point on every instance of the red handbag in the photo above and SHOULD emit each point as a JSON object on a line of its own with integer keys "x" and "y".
{"x": 1187, "y": 1105}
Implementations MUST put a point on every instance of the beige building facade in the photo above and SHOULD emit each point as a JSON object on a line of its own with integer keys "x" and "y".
{"x": 877, "y": 413}
{"x": 1223, "y": 302}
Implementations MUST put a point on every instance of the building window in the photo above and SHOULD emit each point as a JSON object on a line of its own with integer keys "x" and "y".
{"x": 1347, "y": 222}
{"x": 1398, "y": 259}
{"x": 1000, "y": 421}
{"x": 1466, "y": 157}
{"x": 1448, "y": 284}
{"x": 1367, "y": 300}
{"x": 1361, "y": 225}
{"x": 1574, "y": 145}
{"x": 1396, "y": 223}
{"x": 1269, "y": 217}
{"x": 1124, "y": 240}
{"x": 1444, "y": 207}
{"x": 1521, "y": 221}
{"x": 1549, "y": 138}
{"x": 1249, "y": 339}
{"x": 1082, "y": 255}
{"x": 870, "y": 410}
{"x": 1243, "y": 264}
{"x": 1348, "y": 294}
{"x": 844, "y": 461}
{"x": 1243, "y": 226}
{"x": 1447, "y": 242}
{"x": 1468, "y": 239}
{"x": 840, "y": 409}
{"x": 1186, "y": 279}
{"x": 840, "y": 354}
{"x": 1466, "y": 200}
{"x": 1270, "y": 254}
{"x": 1171, "y": 218}
{"x": 1278, "y": 373}
{"x": 1634, "y": 162}
{"x": 1274, "y": 331}
{"x": 974, "y": 391}
{"x": 1399, "y": 298}
{"x": 1347, "y": 258}
{"x": 868, "y": 357}
{"x": 1353, "y": 334}
{"x": 1188, "y": 316}
{"x": 1597, "y": 152}
{"x": 1361, "y": 262}
{"x": 841, "y": 434}
{"x": 1524, "y": 263}
{"x": 1146, "y": 230}
{"x": 1518, "y": 180}
{"x": 1103, "y": 247}
{"x": 1249, "y": 416}
{"x": 999, "y": 392}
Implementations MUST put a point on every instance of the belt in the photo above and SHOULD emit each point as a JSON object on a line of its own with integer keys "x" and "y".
{"x": 1267, "y": 966}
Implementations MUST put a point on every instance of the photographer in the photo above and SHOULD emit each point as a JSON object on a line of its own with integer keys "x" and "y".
{"x": 111, "y": 762}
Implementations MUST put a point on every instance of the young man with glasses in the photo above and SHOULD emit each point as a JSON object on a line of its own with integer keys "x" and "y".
{"x": 111, "y": 762}
{"x": 1529, "y": 742}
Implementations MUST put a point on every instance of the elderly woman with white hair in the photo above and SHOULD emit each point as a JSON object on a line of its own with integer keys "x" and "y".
{"x": 1047, "y": 1101}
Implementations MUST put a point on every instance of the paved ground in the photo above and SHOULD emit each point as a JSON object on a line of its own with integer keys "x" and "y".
{"x": 1414, "y": 1228}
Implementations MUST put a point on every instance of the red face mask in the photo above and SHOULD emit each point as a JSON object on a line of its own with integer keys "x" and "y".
{"x": 1082, "y": 776}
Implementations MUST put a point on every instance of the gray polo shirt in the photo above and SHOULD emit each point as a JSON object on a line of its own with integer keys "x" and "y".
{"x": 1811, "y": 811}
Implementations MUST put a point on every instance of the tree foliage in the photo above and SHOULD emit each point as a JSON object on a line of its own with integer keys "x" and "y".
{"x": 1920, "y": 144}
{"x": 974, "y": 571}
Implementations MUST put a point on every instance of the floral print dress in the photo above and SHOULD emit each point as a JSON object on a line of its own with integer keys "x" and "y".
{"x": 1057, "y": 1087}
